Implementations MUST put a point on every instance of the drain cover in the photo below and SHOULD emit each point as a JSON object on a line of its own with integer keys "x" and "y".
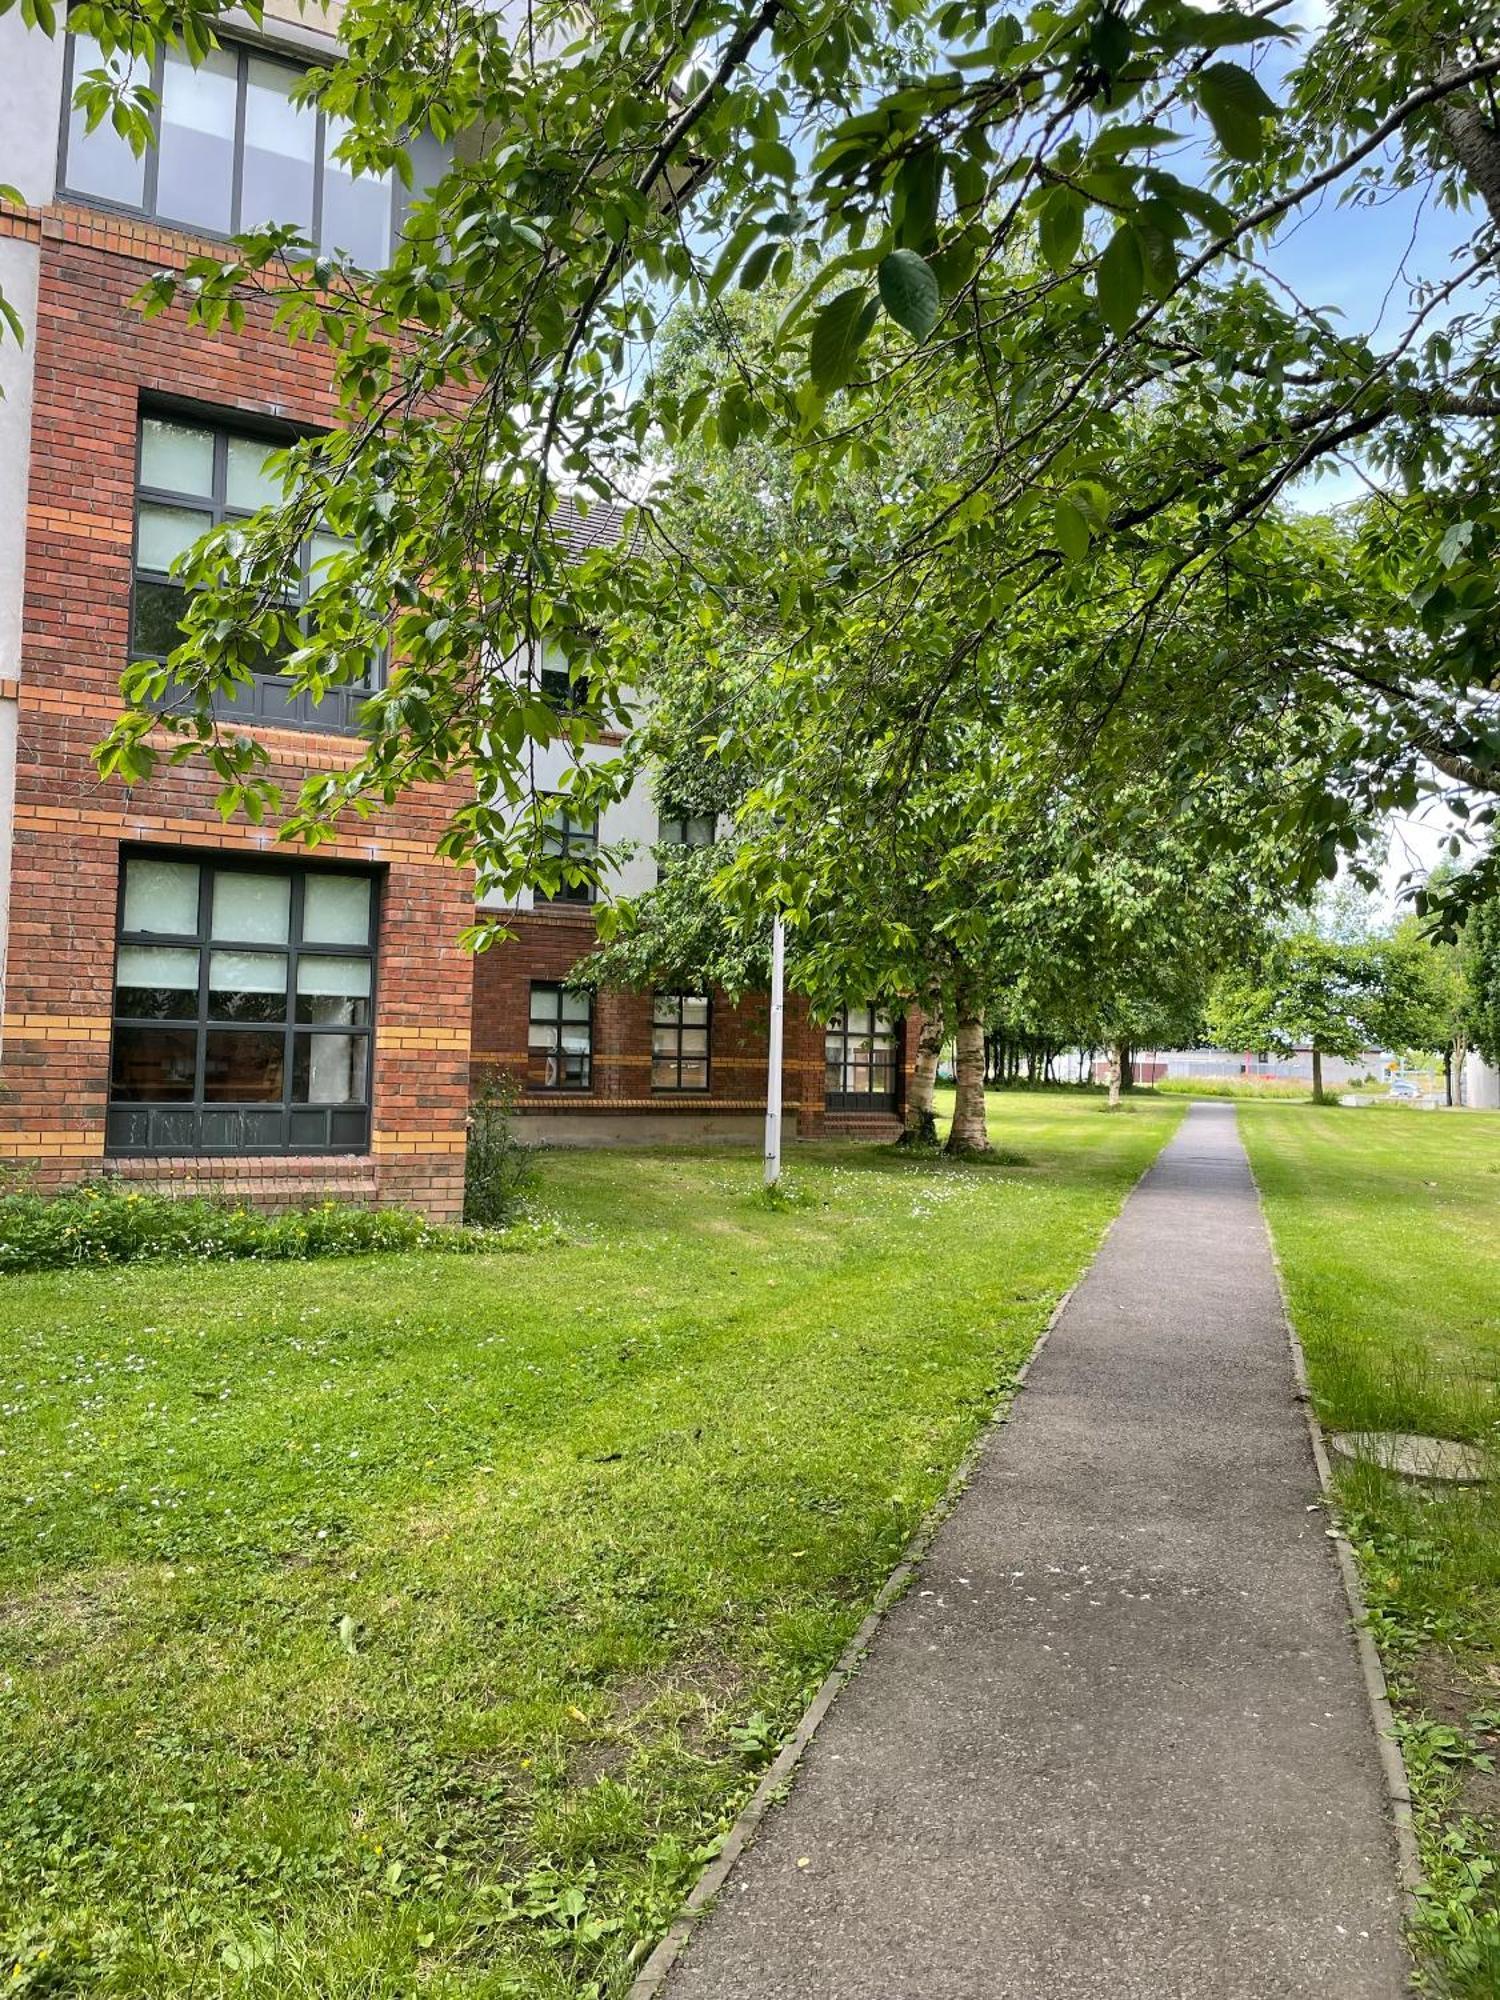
{"x": 1414, "y": 1457}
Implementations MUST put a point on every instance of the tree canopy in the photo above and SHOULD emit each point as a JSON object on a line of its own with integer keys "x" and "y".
{"x": 1061, "y": 222}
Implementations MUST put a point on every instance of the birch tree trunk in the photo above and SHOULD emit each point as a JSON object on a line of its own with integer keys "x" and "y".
{"x": 970, "y": 1133}
{"x": 921, "y": 1124}
{"x": 1116, "y": 1074}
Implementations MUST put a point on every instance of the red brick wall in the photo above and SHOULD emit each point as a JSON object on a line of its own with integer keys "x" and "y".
{"x": 95, "y": 359}
{"x": 549, "y": 943}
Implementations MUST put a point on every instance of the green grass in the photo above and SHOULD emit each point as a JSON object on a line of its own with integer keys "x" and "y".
{"x": 1388, "y": 1228}
{"x": 416, "y": 1625}
{"x": 1249, "y": 1088}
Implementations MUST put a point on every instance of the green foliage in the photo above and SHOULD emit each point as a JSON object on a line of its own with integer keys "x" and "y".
{"x": 498, "y": 1168}
{"x": 1038, "y": 222}
{"x": 111, "y": 1222}
{"x": 1482, "y": 969}
{"x": 1338, "y": 998}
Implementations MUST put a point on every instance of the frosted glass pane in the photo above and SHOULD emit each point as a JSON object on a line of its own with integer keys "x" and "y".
{"x": 245, "y": 481}
{"x": 163, "y": 533}
{"x": 195, "y": 155}
{"x": 575, "y": 1006}
{"x": 256, "y": 908}
{"x": 665, "y": 1009}
{"x": 164, "y": 965}
{"x": 334, "y": 975}
{"x": 161, "y": 896}
{"x": 280, "y": 145}
{"x": 356, "y": 208}
{"x": 694, "y": 1010}
{"x": 179, "y": 458}
{"x": 336, "y": 909}
{"x": 247, "y": 972}
{"x": 101, "y": 162}
{"x": 576, "y": 1040}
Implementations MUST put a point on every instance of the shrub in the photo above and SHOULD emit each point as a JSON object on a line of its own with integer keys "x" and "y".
{"x": 110, "y": 1222}
{"x": 497, "y": 1167}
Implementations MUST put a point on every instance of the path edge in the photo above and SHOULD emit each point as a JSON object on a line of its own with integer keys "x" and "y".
{"x": 1377, "y": 1691}
{"x": 652, "y": 1976}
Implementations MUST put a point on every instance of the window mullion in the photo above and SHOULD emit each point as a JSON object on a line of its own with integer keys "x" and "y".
{"x": 293, "y": 958}
{"x": 153, "y": 154}
{"x": 205, "y": 928}
{"x": 237, "y": 182}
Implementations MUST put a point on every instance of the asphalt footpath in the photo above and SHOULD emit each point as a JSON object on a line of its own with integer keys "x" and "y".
{"x": 1114, "y": 1741}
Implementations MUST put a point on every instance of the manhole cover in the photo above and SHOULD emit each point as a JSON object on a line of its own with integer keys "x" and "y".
{"x": 1415, "y": 1457}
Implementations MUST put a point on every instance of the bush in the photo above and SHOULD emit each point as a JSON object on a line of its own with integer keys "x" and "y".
{"x": 110, "y": 1222}
{"x": 497, "y": 1167}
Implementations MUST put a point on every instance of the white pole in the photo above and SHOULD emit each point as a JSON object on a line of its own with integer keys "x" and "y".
{"x": 773, "y": 1063}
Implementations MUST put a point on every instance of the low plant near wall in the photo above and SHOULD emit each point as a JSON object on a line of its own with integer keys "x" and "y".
{"x": 107, "y": 1222}
{"x": 498, "y": 1168}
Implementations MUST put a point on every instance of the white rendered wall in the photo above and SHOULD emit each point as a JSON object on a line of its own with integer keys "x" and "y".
{"x": 1481, "y": 1084}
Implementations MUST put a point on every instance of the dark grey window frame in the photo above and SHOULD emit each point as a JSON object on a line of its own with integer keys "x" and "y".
{"x": 131, "y": 1123}
{"x": 270, "y": 700}
{"x": 843, "y": 1099}
{"x": 579, "y": 838}
{"x": 243, "y": 52}
{"x": 679, "y": 1088}
{"x": 664, "y": 819}
{"x": 556, "y": 988}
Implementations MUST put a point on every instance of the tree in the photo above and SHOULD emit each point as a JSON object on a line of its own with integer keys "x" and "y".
{"x": 1337, "y": 998}
{"x": 1482, "y": 969}
{"x": 1001, "y": 217}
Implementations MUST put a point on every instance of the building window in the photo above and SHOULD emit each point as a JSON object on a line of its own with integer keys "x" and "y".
{"x": 190, "y": 477}
{"x": 244, "y": 1002}
{"x": 232, "y": 151}
{"x": 860, "y": 1049}
{"x": 565, "y": 690}
{"x": 560, "y": 1040}
{"x": 678, "y": 830}
{"x": 570, "y": 837}
{"x": 679, "y": 1041}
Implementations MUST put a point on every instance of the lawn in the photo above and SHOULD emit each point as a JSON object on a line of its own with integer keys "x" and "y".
{"x": 1387, "y": 1222}
{"x": 414, "y": 1624}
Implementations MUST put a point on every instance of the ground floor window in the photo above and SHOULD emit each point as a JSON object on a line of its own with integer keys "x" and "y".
{"x": 860, "y": 1052}
{"x": 679, "y": 1041}
{"x": 560, "y": 1041}
{"x": 244, "y": 1003}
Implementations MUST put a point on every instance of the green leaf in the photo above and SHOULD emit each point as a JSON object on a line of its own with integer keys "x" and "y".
{"x": 1109, "y": 42}
{"x": 1236, "y": 107}
{"x": 1060, "y": 228}
{"x": 1071, "y": 529}
{"x": 914, "y": 200}
{"x": 838, "y": 333}
{"x": 757, "y": 264}
{"x": 1121, "y": 280}
{"x": 909, "y": 292}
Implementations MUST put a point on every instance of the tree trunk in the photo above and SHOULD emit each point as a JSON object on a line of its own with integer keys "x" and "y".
{"x": 1127, "y": 1067}
{"x": 1116, "y": 1074}
{"x": 970, "y": 1133}
{"x": 921, "y": 1125}
{"x": 1448, "y": 1076}
{"x": 1317, "y": 1056}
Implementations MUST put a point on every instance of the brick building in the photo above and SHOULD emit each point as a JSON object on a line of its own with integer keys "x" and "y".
{"x": 185, "y": 1000}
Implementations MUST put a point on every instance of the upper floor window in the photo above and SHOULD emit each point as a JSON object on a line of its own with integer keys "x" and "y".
{"x": 231, "y": 151}
{"x": 191, "y": 477}
{"x": 682, "y": 830}
{"x": 570, "y": 836}
{"x": 243, "y": 1008}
